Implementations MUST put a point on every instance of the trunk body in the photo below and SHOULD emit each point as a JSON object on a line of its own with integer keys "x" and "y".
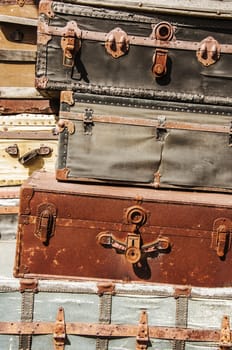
{"x": 78, "y": 231}
{"x": 120, "y": 140}
{"x": 136, "y": 52}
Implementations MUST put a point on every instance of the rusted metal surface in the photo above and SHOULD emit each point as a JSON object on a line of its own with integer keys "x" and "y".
{"x": 111, "y": 330}
{"x": 142, "y": 339}
{"x": 59, "y": 331}
{"x": 178, "y": 222}
{"x": 28, "y": 284}
{"x": 13, "y": 106}
{"x": 149, "y": 41}
{"x": 117, "y": 43}
{"x": 225, "y": 337}
{"x": 161, "y": 122}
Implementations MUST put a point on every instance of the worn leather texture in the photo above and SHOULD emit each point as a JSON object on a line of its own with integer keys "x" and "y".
{"x": 83, "y": 231}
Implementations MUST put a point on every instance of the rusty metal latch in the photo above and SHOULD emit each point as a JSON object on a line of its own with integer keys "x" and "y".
{"x": 159, "y": 67}
{"x": 88, "y": 121}
{"x": 43, "y": 150}
{"x": 70, "y": 43}
{"x": 45, "y": 222}
{"x": 209, "y": 51}
{"x": 117, "y": 43}
{"x": 163, "y": 31}
{"x": 142, "y": 339}
{"x": 221, "y": 236}
{"x": 225, "y": 336}
{"x": 132, "y": 247}
{"x": 12, "y": 150}
{"x": 59, "y": 335}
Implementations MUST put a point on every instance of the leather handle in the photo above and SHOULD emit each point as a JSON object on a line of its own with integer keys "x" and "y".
{"x": 29, "y": 156}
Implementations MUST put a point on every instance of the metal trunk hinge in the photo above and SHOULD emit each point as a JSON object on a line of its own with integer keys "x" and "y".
{"x": 59, "y": 335}
{"x": 70, "y": 43}
{"x": 45, "y": 222}
{"x": 209, "y": 51}
{"x": 142, "y": 339}
{"x": 67, "y": 97}
{"x": 45, "y": 7}
{"x": 221, "y": 236}
{"x": 117, "y": 43}
{"x": 225, "y": 336}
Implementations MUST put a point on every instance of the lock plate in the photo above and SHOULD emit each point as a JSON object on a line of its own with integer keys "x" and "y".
{"x": 221, "y": 236}
{"x": 45, "y": 222}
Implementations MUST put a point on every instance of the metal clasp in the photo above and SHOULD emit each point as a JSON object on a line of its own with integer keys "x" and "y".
{"x": 209, "y": 51}
{"x": 88, "y": 121}
{"x": 142, "y": 339}
{"x": 59, "y": 335}
{"x": 12, "y": 150}
{"x": 117, "y": 43}
{"x": 70, "y": 43}
{"x": 225, "y": 336}
{"x": 221, "y": 236}
{"x": 45, "y": 222}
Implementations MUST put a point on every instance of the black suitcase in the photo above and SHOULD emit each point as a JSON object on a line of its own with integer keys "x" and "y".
{"x": 174, "y": 54}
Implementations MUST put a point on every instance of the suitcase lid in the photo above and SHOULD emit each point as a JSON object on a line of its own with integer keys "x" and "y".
{"x": 43, "y": 181}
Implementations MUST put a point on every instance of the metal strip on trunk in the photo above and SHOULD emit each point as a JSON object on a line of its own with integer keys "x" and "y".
{"x": 112, "y": 331}
{"x": 44, "y": 29}
{"x": 160, "y": 122}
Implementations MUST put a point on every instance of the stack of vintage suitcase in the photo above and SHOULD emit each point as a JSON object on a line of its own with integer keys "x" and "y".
{"x": 127, "y": 245}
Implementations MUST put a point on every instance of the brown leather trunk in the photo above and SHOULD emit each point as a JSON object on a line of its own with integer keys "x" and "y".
{"x": 79, "y": 231}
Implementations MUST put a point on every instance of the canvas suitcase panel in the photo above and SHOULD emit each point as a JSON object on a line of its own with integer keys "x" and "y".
{"x": 124, "y": 51}
{"x": 123, "y": 233}
{"x": 27, "y": 143}
{"x": 119, "y": 140}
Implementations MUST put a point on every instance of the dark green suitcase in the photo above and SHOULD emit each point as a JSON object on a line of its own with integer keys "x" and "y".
{"x": 116, "y": 140}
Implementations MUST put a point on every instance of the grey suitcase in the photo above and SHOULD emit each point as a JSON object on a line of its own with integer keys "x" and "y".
{"x": 120, "y": 140}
